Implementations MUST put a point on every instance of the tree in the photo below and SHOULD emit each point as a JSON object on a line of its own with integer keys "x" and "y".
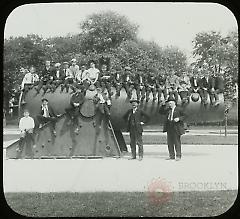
{"x": 105, "y": 30}
{"x": 215, "y": 53}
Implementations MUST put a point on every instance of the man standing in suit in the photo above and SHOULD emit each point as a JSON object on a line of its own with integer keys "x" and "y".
{"x": 58, "y": 77}
{"x": 47, "y": 114}
{"x": 134, "y": 118}
{"x": 174, "y": 127}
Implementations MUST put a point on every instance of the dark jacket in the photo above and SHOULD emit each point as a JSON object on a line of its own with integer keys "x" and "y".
{"x": 77, "y": 98}
{"x": 61, "y": 74}
{"x": 208, "y": 84}
{"x": 50, "y": 110}
{"x": 198, "y": 80}
{"x": 219, "y": 83}
{"x": 46, "y": 74}
{"x": 140, "y": 116}
{"x": 178, "y": 127}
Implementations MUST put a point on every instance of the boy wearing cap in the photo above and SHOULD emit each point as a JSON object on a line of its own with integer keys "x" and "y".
{"x": 45, "y": 78}
{"x": 92, "y": 73}
{"x": 151, "y": 86}
{"x": 160, "y": 86}
{"x": 172, "y": 83}
{"x": 68, "y": 78}
{"x": 105, "y": 79}
{"x": 46, "y": 114}
{"x": 117, "y": 80}
{"x": 58, "y": 77}
{"x": 135, "y": 118}
{"x": 127, "y": 82}
{"x": 72, "y": 111}
{"x": 174, "y": 126}
{"x": 184, "y": 88}
{"x": 26, "y": 126}
{"x": 74, "y": 68}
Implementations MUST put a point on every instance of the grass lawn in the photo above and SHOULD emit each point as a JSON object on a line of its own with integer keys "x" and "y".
{"x": 206, "y": 203}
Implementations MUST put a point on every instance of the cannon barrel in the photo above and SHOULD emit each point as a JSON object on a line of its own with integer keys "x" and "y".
{"x": 195, "y": 111}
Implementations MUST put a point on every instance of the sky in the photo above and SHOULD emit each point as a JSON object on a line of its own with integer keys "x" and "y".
{"x": 167, "y": 24}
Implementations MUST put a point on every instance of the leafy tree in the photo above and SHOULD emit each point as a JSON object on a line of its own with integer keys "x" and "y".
{"x": 105, "y": 30}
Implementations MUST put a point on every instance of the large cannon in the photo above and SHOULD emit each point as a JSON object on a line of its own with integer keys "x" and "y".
{"x": 87, "y": 143}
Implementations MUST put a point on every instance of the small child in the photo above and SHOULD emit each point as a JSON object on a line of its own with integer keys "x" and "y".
{"x": 26, "y": 126}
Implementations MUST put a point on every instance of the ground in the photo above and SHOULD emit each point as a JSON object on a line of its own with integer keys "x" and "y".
{"x": 203, "y": 183}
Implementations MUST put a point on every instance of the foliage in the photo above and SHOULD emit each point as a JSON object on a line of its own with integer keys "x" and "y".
{"x": 214, "y": 53}
{"x": 105, "y": 30}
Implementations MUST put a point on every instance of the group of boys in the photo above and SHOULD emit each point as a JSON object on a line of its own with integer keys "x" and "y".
{"x": 161, "y": 84}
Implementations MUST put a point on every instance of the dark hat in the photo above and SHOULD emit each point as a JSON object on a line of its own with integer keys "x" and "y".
{"x": 171, "y": 98}
{"x": 92, "y": 61}
{"x": 44, "y": 99}
{"x": 134, "y": 100}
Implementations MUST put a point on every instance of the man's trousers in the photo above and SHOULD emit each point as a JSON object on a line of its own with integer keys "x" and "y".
{"x": 136, "y": 138}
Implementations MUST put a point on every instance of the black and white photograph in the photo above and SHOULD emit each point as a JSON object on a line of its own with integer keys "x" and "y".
{"x": 120, "y": 109}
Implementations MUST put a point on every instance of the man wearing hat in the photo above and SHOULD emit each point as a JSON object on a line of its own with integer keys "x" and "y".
{"x": 174, "y": 126}
{"x": 105, "y": 79}
{"x": 46, "y": 114}
{"x": 151, "y": 85}
{"x": 127, "y": 82}
{"x": 58, "y": 77}
{"x": 93, "y": 73}
{"x": 69, "y": 77}
{"x": 76, "y": 101}
{"x": 117, "y": 80}
{"x": 138, "y": 83}
{"x": 45, "y": 77}
{"x": 135, "y": 118}
{"x": 74, "y": 68}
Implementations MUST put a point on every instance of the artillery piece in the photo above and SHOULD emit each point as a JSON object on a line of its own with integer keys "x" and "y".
{"x": 88, "y": 144}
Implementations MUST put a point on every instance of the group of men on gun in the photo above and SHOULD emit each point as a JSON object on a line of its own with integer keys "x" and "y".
{"x": 161, "y": 84}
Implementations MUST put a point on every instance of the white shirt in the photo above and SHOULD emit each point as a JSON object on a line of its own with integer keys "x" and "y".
{"x": 170, "y": 117}
{"x": 134, "y": 110}
{"x": 26, "y": 123}
{"x": 74, "y": 69}
{"x": 68, "y": 73}
{"x": 85, "y": 75}
{"x": 45, "y": 111}
{"x": 27, "y": 79}
{"x": 93, "y": 74}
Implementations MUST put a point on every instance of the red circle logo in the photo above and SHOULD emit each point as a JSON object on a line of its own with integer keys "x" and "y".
{"x": 159, "y": 191}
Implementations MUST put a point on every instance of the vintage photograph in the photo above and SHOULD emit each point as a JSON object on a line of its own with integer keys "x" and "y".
{"x": 119, "y": 109}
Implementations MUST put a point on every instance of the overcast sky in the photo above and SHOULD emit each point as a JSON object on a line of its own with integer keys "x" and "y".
{"x": 165, "y": 23}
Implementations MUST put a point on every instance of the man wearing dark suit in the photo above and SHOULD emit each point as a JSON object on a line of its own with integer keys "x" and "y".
{"x": 134, "y": 118}
{"x": 204, "y": 86}
{"x": 46, "y": 114}
{"x": 73, "y": 110}
{"x": 117, "y": 80}
{"x": 218, "y": 86}
{"x": 174, "y": 127}
{"x": 151, "y": 86}
{"x": 45, "y": 78}
{"x": 127, "y": 81}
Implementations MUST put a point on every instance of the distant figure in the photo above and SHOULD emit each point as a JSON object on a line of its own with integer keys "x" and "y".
{"x": 134, "y": 118}
{"x": 74, "y": 68}
{"x": 92, "y": 73}
{"x": 172, "y": 83}
{"x": 105, "y": 79}
{"x": 45, "y": 78}
{"x": 26, "y": 126}
{"x": 184, "y": 88}
{"x": 58, "y": 77}
{"x": 174, "y": 126}
{"x": 68, "y": 79}
{"x": 47, "y": 114}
